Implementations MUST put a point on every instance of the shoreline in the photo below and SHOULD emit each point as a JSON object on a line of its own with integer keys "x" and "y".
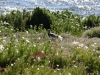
{"x": 4, "y": 11}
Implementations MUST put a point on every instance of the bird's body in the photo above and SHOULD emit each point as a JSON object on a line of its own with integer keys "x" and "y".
{"x": 53, "y": 36}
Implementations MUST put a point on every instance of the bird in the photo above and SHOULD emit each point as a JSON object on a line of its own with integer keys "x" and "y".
{"x": 53, "y": 36}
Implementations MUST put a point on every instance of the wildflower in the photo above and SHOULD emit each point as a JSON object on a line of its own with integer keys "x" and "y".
{"x": 55, "y": 71}
{"x": 27, "y": 68}
{"x": 31, "y": 26}
{"x": 42, "y": 66}
{"x": 49, "y": 61}
{"x": 81, "y": 45}
{"x": 7, "y": 48}
{"x": 93, "y": 45}
{"x": 62, "y": 47}
{"x": 6, "y": 28}
{"x": 58, "y": 69}
{"x": 27, "y": 63}
{"x": 57, "y": 65}
{"x": 1, "y": 48}
{"x": 27, "y": 41}
{"x": 34, "y": 45}
{"x": 77, "y": 25}
{"x": 4, "y": 41}
{"x": 12, "y": 64}
{"x": 6, "y": 23}
{"x": 60, "y": 73}
{"x": 75, "y": 42}
{"x": 75, "y": 66}
{"x": 99, "y": 56}
{"x": 14, "y": 35}
{"x": 16, "y": 40}
{"x": 39, "y": 38}
{"x": 27, "y": 32}
{"x": 39, "y": 58}
{"x": 73, "y": 61}
{"x": 69, "y": 73}
{"x": 78, "y": 47}
{"x": 42, "y": 51}
{"x": 12, "y": 29}
{"x": 86, "y": 47}
{"x": 18, "y": 59}
{"x": 57, "y": 53}
{"x": 23, "y": 37}
{"x": 1, "y": 21}
{"x": 94, "y": 50}
{"x": 34, "y": 60}
{"x": 17, "y": 51}
{"x": 38, "y": 69}
{"x": 32, "y": 66}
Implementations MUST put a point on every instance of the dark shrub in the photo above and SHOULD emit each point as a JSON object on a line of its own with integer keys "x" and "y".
{"x": 39, "y": 17}
{"x": 91, "y": 21}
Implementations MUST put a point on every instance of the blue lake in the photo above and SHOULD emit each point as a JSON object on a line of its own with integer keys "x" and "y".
{"x": 81, "y": 7}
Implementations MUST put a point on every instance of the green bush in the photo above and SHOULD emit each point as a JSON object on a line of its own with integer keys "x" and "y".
{"x": 58, "y": 22}
{"x": 39, "y": 17}
{"x": 88, "y": 58}
{"x": 91, "y": 21}
{"x": 93, "y": 32}
{"x": 17, "y": 19}
{"x": 67, "y": 22}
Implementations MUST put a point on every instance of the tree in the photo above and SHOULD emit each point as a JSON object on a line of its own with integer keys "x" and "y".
{"x": 39, "y": 17}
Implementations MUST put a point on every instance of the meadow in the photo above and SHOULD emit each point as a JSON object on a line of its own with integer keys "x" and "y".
{"x": 26, "y": 49}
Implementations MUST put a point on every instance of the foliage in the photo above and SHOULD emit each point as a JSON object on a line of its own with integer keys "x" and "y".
{"x": 91, "y": 21}
{"x": 90, "y": 61}
{"x": 17, "y": 19}
{"x": 58, "y": 22}
{"x": 39, "y": 17}
{"x": 93, "y": 32}
{"x": 32, "y": 52}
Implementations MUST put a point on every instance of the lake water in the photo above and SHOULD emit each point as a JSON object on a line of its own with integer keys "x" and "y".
{"x": 82, "y": 7}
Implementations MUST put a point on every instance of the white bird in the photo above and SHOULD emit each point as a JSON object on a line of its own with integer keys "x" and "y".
{"x": 54, "y": 36}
